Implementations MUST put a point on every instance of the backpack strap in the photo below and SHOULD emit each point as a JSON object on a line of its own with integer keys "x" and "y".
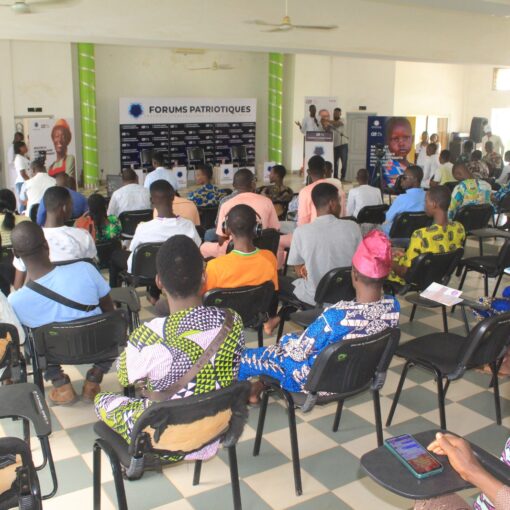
{"x": 48, "y": 293}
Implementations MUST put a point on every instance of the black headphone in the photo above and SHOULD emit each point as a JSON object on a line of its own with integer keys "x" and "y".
{"x": 257, "y": 230}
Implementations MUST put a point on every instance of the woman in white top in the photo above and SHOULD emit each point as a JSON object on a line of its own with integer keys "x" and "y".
{"x": 22, "y": 165}
{"x": 11, "y": 177}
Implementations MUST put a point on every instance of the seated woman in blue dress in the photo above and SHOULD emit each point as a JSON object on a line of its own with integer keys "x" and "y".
{"x": 291, "y": 360}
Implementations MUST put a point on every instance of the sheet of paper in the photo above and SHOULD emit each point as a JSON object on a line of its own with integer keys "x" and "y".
{"x": 442, "y": 294}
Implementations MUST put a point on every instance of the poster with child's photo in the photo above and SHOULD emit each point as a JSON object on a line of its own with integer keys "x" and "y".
{"x": 390, "y": 143}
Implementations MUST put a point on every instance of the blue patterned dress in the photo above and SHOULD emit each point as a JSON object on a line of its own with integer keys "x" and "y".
{"x": 291, "y": 360}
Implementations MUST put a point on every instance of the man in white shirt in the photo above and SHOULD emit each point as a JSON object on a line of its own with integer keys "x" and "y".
{"x": 11, "y": 176}
{"x": 362, "y": 195}
{"x": 497, "y": 144}
{"x": 165, "y": 225}
{"x": 311, "y": 122}
{"x": 131, "y": 196}
{"x": 33, "y": 190}
{"x": 430, "y": 166}
{"x": 160, "y": 172}
{"x": 65, "y": 243}
{"x": 21, "y": 165}
{"x": 420, "y": 154}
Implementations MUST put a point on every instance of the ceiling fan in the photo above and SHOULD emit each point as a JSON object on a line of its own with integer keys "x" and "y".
{"x": 26, "y": 7}
{"x": 286, "y": 24}
{"x": 213, "y": 67}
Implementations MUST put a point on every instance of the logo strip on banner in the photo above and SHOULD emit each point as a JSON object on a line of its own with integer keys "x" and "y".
{"x": 178, "y": 125}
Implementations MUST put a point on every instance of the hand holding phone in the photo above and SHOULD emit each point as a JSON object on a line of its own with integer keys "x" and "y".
{"x": 414, "y": 456}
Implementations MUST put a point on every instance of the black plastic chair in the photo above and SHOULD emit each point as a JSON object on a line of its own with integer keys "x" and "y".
{"x": 158, "y": 424}
{"x": 143, "y": 266}
{"x": 426, "y": 269}
{"x": 342, "y": 370}
{"x": 474, "y": 216}
{"x": 21, "y": 489}
{"x": 490, "y": 266}
{"x": 250, "y": 302}
{"x": 451, "y": 185}
{"x": 78, "y": 342}
{"x": 105, "y": 250}
{"x": 26, "y": 401}
{"x": 448, "y": 356}
{"x": 130, "y": 220}
{"x": 269, "y": 239}
{"x": 374, "y": 214}
{"x": 503, "y": 207}
{"x": 208, "y": 216}
{"x": 11, "y": 358}
{"x": 334, "y": 286}
{"x": 33, "y": 212}
{"x": 406, "y": 223}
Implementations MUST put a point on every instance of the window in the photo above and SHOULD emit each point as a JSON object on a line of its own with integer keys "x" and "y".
{"x": 501, "y": 79}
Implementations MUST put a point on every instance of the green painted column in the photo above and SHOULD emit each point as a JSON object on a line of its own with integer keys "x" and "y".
{"x": 275, "y": 107}
{"x": 87, "y": 78}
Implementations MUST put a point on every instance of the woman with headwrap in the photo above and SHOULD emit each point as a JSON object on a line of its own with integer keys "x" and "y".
{"x": 291, "y": 360}
{"x": 61, "y": 137}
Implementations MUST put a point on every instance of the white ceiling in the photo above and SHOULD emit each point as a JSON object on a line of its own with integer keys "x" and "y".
{"x": 456, "y": 31}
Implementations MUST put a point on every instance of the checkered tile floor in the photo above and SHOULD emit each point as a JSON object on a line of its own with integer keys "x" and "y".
{"x": 332, "y": 478}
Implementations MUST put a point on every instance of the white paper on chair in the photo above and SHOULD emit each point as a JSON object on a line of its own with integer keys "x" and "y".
{"x": 442, "y": 294}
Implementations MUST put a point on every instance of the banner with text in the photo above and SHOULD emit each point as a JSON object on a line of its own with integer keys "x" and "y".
{"x": 390, "y": 147}
{"x": 186, "y": 127}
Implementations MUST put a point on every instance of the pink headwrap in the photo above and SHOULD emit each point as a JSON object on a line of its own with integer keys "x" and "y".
{"x": 373, "y": 256}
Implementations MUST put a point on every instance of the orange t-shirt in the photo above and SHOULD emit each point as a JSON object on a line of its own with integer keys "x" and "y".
{"x": 238, "y": 269}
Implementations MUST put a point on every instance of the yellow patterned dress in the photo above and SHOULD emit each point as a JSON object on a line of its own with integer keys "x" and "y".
{"x": 433, "y": 239}
{"x": 159, "y": 352}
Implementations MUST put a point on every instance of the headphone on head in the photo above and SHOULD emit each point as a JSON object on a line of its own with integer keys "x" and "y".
{"x": 257, "y": 230}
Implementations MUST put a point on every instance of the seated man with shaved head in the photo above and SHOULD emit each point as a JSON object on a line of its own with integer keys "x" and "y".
{"x": 34, "y": 309}
{"x": 131, "y": 196}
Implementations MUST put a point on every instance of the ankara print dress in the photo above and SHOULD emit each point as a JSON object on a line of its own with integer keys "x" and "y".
{"x": 160, "y": 352}
{"x": 291, "y": 360}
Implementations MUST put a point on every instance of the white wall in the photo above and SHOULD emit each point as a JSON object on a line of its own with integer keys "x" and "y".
{"x": 129, "y": 71}
{"x": 479, "y": 96}
{"x": 430, "y": 89}
{"x": 34, "y": 74}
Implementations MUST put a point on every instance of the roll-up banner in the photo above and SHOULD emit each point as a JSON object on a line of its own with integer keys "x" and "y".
{"x": 390, "y": 144}
{"x": 180, "y": 127}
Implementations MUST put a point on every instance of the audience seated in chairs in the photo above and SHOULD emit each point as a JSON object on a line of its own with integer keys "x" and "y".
{"x": 326, "y": 243}
{"x": 362, "y": 195}
{"x": 413, "y": 200}
{"x": 442, "y": 236}
{"x": 33, "y": 189}
{"x": 186, "y": 209}
{"x": 277, "y": 192}
{"x": 317, "y": 173}
{"x": 502, "y": 180}
{"x": 468, "y": 191}
{"x": 100, "y": 225}
{"x": 65, "y": 243}
{"x": 290, "y": 361}
{"x": 165, "y": 225}
{"x": 207, "y": 194}
{"x": 79, "y": 203}
{"x": 493, "y": 160}
{"x": 162, "y": 350}
{"x": 244, "y": 183}
{"x": 9, "y": 218}
{"x": 131, "y": 196}
{"x": 80, "y": 283}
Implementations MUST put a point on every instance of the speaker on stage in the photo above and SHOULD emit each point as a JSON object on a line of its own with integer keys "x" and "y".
{"x": 477, "y": 124}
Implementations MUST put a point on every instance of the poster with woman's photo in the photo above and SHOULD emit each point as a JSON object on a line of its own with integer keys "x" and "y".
{"x": 390, "y": 148}
{"x": 55, "y": 138}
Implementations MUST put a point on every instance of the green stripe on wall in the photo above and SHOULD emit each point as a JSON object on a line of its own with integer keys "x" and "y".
{"x": 87, "y": 77}
{"x": 275, "y": 107}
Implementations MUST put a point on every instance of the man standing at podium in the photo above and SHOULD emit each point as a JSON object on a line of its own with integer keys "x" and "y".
{"x": 311, "y": 122}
